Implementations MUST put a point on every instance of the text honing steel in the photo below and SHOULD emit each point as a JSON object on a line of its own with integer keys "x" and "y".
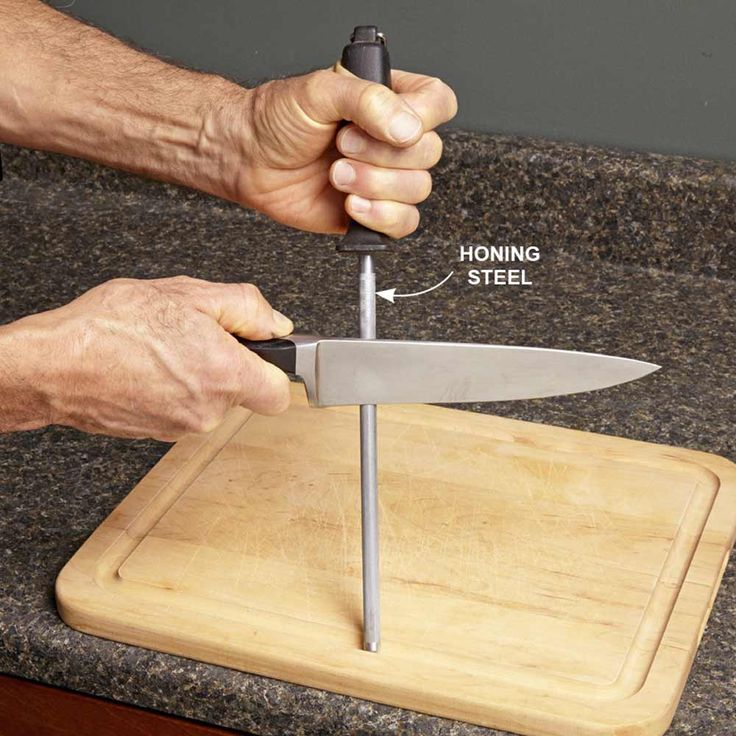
{"x": 500, "y": 275}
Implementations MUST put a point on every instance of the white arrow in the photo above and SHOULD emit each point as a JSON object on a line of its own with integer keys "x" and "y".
{"x": 390, "y": 294}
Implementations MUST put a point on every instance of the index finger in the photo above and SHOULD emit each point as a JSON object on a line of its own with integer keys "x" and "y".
{"x": 432, "y": 99}
{"x": 238, "y": 308}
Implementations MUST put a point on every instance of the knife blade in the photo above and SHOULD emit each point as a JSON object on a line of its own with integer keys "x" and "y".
{"x": 343, "y": 371}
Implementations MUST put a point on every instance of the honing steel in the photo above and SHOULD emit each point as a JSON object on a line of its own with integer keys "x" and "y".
{"x": 366, "y": 56}
{"x": 368, "y": 371}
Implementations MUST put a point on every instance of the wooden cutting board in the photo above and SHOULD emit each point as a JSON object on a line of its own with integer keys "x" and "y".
{"x": 535, "y": 579}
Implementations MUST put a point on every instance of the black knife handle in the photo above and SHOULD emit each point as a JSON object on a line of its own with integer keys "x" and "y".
{"x": 366, "y": 56}
{"x": 280, "y": 351}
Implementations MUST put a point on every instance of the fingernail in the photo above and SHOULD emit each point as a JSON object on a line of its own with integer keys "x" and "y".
{"x": 358, "y": 204}
{"x": 404, "y": 127}
{"x": 343, "y": 173}
{"x": 352, "y": 141}
{"x": 285, "y": 325}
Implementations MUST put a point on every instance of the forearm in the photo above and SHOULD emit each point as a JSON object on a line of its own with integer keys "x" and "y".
{"x": 70, "y": 88}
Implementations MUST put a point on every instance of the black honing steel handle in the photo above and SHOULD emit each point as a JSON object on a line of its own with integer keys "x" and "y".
{"x": 280, "y": 351}
{"x": 366, "y": 56}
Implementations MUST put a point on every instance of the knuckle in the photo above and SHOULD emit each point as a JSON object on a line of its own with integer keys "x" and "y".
{"x": 218, "y": 376}
{"x": 444, "y": 93}
{"x": 250, "y": 293}
{"x": 436, "y": 85}
{"x": 118, "y": 282}
{"x": 119, "y": 285}
{"x": 452, "y": 105}
{"x": 425, "y": 188}
{"x": 408, "y": 223}
{"x": 284, "y": 398}
{"x": 312, "y": 81}
{"x": 266, "y": 387}
{"x": 280, "y": 395}
{"x": 315, "y": 82}
{"x": 200, "y": 423}
{"x": 396, "y": 221}
{"x": 116, "y": 292}
{"x": 375, "y": 100}
{"x": 189, "y": 419}
{"x": 200, "y": 417}
{"x": 194, "y": 424}
{"x": 310, "y": 88}
{"x": 255, "y": 304}
{"x": 175, "y": 286}
{"x": 435, "y": 149}
{"x": 370, "y": 182}
{"x": 210, "y": 422}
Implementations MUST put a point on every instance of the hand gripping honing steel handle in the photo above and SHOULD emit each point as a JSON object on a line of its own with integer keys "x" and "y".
{"x": 366, "y": 56}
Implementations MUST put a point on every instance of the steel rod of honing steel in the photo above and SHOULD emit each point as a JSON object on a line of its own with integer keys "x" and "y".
{"x": 369, "y": 473}
{"x": 366, "y": 56}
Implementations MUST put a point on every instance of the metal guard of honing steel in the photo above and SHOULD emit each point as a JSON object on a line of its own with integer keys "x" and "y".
{"x": 347, "y": 371}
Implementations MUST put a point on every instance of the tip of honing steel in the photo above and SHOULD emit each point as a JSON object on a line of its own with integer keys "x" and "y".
{"x": 370, "y": 646}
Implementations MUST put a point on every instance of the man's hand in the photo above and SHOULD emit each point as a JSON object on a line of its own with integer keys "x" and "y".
{"x": 70, "y": 88}
{"x": 288, "y": 162}
{"x": 141, "y": 359}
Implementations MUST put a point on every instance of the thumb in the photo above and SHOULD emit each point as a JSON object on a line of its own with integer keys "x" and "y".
{"x": 383, "y": 114}
{"x": 242, "y": 310}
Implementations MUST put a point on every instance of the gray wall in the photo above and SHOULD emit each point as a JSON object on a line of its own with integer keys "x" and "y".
{"x": 656, "y": 76}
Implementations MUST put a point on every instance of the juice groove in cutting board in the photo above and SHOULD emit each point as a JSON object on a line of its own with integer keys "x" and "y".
{"x": 535, "y": 579}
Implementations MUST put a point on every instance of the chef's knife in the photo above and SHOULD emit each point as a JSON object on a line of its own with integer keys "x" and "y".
{"x": 351, "y": 371}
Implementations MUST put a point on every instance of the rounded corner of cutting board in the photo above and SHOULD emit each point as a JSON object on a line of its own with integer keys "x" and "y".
{"x": 89, "y": 600}
{"x": 71, "y": 606}
{"x": 655, "y": 720}
{"x": 721, "y": 466}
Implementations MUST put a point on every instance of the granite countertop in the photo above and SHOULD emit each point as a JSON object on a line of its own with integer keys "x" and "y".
{"x": 637, "y": 258}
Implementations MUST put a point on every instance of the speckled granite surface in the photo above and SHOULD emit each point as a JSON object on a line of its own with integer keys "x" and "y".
{"x": 638, "y": 258}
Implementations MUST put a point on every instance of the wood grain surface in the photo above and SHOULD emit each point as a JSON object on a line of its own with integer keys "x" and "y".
{"x": 535, "y": 579}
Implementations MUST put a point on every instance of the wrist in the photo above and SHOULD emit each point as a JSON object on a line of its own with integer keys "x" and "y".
{"x": 26, "y": 377}
{"x": 224, "y": 134}
{"x": 224, "y": 153}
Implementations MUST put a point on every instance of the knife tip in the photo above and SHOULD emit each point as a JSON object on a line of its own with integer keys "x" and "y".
{"x": 649, "y": 367}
